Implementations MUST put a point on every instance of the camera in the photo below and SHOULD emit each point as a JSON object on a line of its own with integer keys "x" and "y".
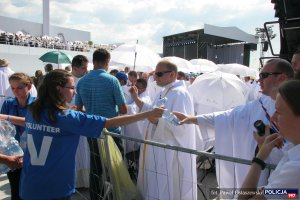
{"x": 260, "y": 127}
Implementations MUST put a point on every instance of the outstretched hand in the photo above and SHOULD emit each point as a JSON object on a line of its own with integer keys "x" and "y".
{"x": 184, "y": 119}
{"x": 155, "y": 114}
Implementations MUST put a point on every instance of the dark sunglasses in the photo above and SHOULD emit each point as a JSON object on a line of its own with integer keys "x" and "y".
{"x": 160, "y": 74}
{"x": 264, "y": 75}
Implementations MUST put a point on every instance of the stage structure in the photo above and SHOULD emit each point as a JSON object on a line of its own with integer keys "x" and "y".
{"x": 218, "y": 44}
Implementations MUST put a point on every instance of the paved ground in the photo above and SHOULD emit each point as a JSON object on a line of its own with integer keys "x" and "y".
{"x": 82, "y": 194}
{"x": 4, "y": 188}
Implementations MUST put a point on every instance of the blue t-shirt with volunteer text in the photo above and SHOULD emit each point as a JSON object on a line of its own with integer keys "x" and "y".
{"x": 49, "y": 159}
{"x": 12, "y": 107}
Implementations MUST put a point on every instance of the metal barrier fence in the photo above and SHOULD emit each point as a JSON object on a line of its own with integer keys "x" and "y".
{"x": 115, "y": 187}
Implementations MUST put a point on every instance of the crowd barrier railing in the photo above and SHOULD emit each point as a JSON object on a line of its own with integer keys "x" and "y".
{"x": 116, "y": 188}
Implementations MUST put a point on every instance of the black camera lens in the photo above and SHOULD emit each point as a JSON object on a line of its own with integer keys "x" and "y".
{"x": 260, "y": 127}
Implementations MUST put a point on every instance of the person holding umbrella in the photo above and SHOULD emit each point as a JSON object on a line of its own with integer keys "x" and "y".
{"x": 48, "y": 68}
{"x": 56, "y": 57}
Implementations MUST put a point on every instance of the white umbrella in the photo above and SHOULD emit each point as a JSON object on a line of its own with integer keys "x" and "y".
{"x": 217, "y": 91}
{"x": 182, "y": 64}
{"x": 237, "y": 69}
{"x": 136, "y": 57}
{"x": 204, "y": 65}
{"x": 200, "y": 61}
{"x": 254, "y": 73}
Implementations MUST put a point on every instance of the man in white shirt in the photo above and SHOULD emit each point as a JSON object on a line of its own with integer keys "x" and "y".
{"x": 79, "y": 69}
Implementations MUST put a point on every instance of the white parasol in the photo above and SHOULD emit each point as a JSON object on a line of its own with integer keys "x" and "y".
{"x": 136, "y": 57}
{"x": 182, "y": 64}
{"x": 217, "y": 91}
{"x": 237, "y": 69}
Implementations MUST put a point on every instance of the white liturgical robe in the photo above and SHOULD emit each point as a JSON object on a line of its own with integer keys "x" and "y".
{"x": 163, "y": 173}
{"x": 234, "y": 137}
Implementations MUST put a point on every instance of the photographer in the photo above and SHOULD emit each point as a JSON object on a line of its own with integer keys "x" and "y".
{"x": 287, "y": 117}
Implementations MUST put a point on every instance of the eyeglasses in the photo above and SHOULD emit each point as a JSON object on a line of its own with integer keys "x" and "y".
{"x": 70, "y": 87}
{"x": 264, "y": 75}
{"x": 160, "y": 74}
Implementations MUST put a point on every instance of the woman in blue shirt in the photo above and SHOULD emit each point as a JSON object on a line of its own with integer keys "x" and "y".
{"x": 53, "y": 132}
{"x": 20, "y": 84}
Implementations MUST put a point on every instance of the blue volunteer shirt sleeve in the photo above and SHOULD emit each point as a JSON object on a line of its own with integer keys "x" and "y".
{"x": 83, "y": 124}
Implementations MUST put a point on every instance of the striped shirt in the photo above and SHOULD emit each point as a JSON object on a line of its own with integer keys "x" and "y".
{"x": 100, "y": 93}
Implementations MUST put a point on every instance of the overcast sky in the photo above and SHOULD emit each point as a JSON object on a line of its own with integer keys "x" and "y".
{"x": 112, "y": 21}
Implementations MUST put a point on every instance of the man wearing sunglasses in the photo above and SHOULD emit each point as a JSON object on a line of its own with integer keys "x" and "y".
{"x": 167, "y": 174}
{"x": 234, "y": 128}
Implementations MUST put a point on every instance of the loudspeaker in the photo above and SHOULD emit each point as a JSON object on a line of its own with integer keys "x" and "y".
{"x": 288, "y": 13}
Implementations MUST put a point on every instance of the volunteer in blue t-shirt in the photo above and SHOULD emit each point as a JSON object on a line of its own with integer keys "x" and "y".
{"x": 53, "y": 133}
{"x": 20, "y": 84}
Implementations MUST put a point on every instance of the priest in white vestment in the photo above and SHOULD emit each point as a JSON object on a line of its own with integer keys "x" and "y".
{"x": 234, "y": 128}
{"x": 163, "y": 173}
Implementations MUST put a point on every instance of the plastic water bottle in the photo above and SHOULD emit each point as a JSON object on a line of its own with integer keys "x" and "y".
{"x": 167, "y": 115}
{"x": 10, "y": 149}
{"x": 161, "y": 102}
{"x": 3, "y": 168}
{"x": 170, "y": 117}
{"x": 23, "y": 141}
{"x": 14, "y": 148}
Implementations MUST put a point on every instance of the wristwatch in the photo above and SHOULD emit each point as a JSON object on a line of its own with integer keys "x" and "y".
{"x": 260, "y": 162}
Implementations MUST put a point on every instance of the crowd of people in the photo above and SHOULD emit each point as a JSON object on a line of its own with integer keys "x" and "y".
{"x": 63, "y": 120}
{"x": 22, "y": 39}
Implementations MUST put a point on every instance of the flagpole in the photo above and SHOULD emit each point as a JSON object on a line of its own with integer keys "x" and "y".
{"x": 137, "y": 41}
